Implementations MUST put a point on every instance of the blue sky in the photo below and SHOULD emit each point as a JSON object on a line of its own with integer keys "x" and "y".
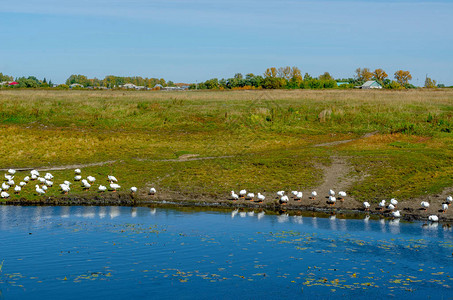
{"x": 188, "y": 41}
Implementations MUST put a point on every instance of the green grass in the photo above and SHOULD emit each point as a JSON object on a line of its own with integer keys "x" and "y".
{"x": 263, "y": 139}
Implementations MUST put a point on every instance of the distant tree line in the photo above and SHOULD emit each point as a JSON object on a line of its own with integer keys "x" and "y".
{"x": 291, "y": 78}
{"x": 273, "y": 78}
{"x": 111, "y": 81}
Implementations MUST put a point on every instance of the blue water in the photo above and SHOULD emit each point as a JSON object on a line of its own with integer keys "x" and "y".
{"x": 123, "y": 252}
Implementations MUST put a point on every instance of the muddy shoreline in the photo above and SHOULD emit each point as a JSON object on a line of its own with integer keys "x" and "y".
{"x": 126, "y": 199}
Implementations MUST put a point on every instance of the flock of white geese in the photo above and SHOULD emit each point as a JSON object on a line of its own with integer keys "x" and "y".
{"x": 332, "y": 199}
{"x": 45, "y": 182}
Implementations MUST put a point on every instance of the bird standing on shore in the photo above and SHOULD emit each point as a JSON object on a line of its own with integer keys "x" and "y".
{"x": 114, "y": 186}
{"x": 250, "y": 196}
{"x": 433, "y": 218}
{"x": 424, "y": 205}
{"x": 65, "y": 188}
{"x": 152, "y": 191}
{"x": 298, "y": 196}
{"x": 394, "y": 202}
{"x": 366, "y": 205}
{"x": 449, "y": 200}
{"x": 382, "y": 205}
{"x": 242, "y": 193}
{"x": 396, "y": 214}
{"x": 39, "y": 190}
{"x": 444, "y": 207}
{"x": 332, "y": 200}
{"x": 133, "y": 190}
{"x": 102, "y": 188}
{"x": 284, "y": 200}
{"x": 314, "y": 194}
{"x": 342, "y": 195}
{"x": 234, "y": 196}
{"x": 261, "y": 197}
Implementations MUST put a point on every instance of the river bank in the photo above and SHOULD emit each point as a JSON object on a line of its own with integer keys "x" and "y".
{"x": 348, "y": 207}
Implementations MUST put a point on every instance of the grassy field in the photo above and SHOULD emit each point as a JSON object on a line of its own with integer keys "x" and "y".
{"x": 257, "y": 140}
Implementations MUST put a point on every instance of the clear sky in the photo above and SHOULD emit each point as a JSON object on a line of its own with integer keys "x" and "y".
{"x": 188, "y": 41}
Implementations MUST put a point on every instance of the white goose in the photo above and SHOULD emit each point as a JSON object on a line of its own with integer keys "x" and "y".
{"x": 112, "y": 178}
{"x": 280, "y": 193}
{"x": 12, "y": 171}
{"x": 22, "y": 183}
{"x": 449, "y": 200}
{"x": 396, "y": 214}
{"x": 424, "y": 205}
{"x": 394, "y": 202}
{"x": 39, "y": 190}
{"x": 91, "y": 179}
{"x": 49, "y": 183}
{"x": 152, "y": 191}
{"x": 5, "y": 186}
{"x": 102, "y": 188}
{"x": 86, "y": 185}
{"x": 133, "y": 190}
{"x": 284, "y": 199}
{"x": 444, "y": 207}
{"x": 261, "y": 197}
{"x": 332, "y": 200}
{"x": 314, "y": 194}
{"x": 65, "y": 188}
{"x": 48, "y": 176}
{"x": 294, "y": 193}
{"x": 4, "y": 195}
{"x": 382, "y": 205}
{"x": 77, "y": 171}
{"x": 433, "y": 218}
{"x": 331, "y": 193}
{"x": 366, "y": 205}
{"x": 27, "y": 178}
{"x": 77, "y": 177}
{"x": 114, "y": 186}
{"x": 17, "y": 189}
{"x": 250, "y": 196}
{"x": 242, "y": 193}
{"x": 391, "y": 206}
{"x": 298, "y": 196}
{"x": 342, "y": 195}
{"x": 9, "y": 177}
{"x": 234, "y": 196}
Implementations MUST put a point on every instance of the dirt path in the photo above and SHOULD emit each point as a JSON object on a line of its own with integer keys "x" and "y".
{"x": 336, "y": 177}
{"x": 346, "y": 141}
{"x": 182, "y": 158}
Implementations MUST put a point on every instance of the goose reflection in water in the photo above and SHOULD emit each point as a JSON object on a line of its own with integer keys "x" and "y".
{"x": 298, "y": 220}
{"x": 260, "y": 215}
{"x": 382, "y": 224}
{"x": 102, "y": 212}
{"x": 333, "y": 222}
{"x": 153, "y": 211}
{"x": 65, "y": 211}
{"x": 114, "y": 212}
{"x": 283, "y": 218}
{"x": 394, "y": 226}
{"x": 314, "y": 222}
{"x": 133, "y": 212}
{"x": 89, "y": 212}
{"x": 234, "y": 213}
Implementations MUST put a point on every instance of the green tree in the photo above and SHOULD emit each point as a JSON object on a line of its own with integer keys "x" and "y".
{"x": 326, "y": 77}
{"x": 429, "y": 83}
